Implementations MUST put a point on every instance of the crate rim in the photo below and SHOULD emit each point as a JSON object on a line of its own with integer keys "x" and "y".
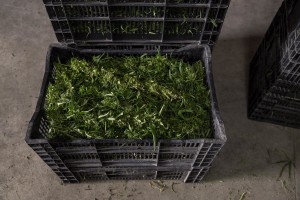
{"x": 217, "y": 121}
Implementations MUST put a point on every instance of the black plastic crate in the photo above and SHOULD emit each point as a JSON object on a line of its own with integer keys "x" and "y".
{"x": 291, "y": 52}
{"x": 81, "y": 22}
{"x": 273, "y": 59}
{"x": 275, "y": 90}
{"x": 106, "y": 159}
{"x": 274, "y": 85}
{"x": 292, "y": 48}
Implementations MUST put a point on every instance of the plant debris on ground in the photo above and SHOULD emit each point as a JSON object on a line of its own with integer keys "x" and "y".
{"x": 129, "y": 97}
{"x": 158, "y": 185}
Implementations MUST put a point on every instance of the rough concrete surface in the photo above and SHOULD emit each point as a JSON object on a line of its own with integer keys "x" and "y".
{"x": 244, "y": 166}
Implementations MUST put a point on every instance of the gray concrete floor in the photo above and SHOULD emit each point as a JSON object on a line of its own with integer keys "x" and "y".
{"x": 243, "y": 167}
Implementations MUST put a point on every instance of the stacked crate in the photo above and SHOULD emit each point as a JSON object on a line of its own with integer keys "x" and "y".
{"x": 274, "y": 92}
{"x": 96, "y": 22}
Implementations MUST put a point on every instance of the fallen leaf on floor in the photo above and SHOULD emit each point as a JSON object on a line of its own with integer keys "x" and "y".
{"x": 173, "y": 187}
{"x": 158, "y": 185}
{"x": 243, "y": 196}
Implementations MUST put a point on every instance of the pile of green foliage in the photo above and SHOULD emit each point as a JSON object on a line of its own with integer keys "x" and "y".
{"x": 134, "y": 97}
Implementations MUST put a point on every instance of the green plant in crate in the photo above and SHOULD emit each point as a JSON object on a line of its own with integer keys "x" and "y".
{"x": 214, "y": 23}
{"x": 132, "y": 27}
{"x": 141, "y": 97}
{"x": 183, "y": 28}
{"x": 185, "y": 12}
{"x": 129, "y": 29}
